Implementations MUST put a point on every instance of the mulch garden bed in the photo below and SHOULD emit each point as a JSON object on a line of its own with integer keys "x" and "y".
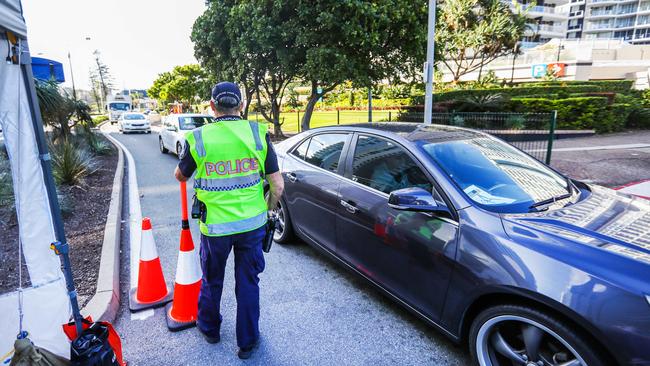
{"x": 84, "y": 228}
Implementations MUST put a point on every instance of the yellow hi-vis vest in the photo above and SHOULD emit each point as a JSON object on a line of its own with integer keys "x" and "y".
{"x": 230, "y": 158}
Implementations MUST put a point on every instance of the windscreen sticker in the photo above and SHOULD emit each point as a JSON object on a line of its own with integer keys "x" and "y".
{"x": 483, "y": 197}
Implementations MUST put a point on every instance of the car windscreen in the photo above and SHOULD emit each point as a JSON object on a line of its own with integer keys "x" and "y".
{"x": 495, "y": 175}
{"x": 190, "y": 123}
{"x": 119, "y": 106}
{"x": 134, "y": 116}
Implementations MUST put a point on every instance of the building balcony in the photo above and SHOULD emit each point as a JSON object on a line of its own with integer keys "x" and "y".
{"x": 599, "y": 27}
{"x": 546, "y": 12}
{"x": 576, "y": 14}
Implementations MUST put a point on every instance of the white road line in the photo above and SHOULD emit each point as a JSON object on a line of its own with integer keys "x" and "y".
{"x": 135, "y": 212}
{"x": 602, "y": 147}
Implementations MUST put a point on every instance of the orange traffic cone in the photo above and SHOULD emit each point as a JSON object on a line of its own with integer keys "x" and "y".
{"x": 183, "y": 311}
{"x": 152, "y": 290}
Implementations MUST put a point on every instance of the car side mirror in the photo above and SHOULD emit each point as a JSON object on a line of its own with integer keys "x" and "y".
{"x": 416, "y": 199}
{"x": 171, "y": 128}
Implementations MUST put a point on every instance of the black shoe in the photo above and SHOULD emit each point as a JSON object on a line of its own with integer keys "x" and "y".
{"x": 209, "y": 339}
{"x": 246, "y": 352}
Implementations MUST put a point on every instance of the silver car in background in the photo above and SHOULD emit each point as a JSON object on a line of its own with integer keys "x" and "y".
{"x": 133, "y": 122}
{"x": 175, "y": 126}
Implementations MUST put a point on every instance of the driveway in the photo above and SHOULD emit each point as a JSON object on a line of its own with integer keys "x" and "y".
{"x": 313, "y": 312}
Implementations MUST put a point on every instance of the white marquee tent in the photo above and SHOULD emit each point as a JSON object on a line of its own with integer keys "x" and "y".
{"x": 46, "y": 305}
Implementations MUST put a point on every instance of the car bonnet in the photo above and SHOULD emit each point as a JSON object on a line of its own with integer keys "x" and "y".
{"x": 607, "y": 219}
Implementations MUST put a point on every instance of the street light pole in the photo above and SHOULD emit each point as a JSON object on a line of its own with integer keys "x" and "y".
{"x": 428, "y": 66}
{"x": 74, "y": 90}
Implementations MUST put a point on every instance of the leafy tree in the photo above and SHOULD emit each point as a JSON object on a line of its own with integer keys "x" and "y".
{"x": 252, "y": 42}
{"x": 472, "y": 33}
{"x": 105, "y": 77}
{"x": 361, "y": 41}
{"x": 60, "y": 111}
{"x": 213, "y": 48}
{"x": 95, "y": 89}
{"x": 187, "y": 84}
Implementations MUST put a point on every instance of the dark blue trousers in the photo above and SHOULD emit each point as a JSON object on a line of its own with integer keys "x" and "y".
{"x": 249, "y": 263}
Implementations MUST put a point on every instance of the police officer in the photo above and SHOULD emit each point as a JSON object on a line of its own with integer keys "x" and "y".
{"x": 230, "y": 159}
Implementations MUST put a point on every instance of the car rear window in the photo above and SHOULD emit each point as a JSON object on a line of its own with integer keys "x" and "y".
{"x": 190, "y": 123}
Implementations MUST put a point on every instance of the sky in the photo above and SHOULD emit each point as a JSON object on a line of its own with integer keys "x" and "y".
{"x": 137, "y": 39}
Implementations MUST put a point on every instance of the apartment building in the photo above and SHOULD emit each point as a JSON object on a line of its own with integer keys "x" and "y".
{"x": 548, "y": 19}
{"x": 627, "y": 20}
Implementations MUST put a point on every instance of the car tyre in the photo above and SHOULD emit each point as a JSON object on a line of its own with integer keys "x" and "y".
{"x": 284, "y": 229}
{"x": 163, "y": 149}
{"x": 179, "y": 150}
{"x": 513, "y": 334}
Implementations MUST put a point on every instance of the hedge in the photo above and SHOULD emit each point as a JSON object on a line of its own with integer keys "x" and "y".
{"x": 578, "y": 113}
{"x": 561, "y": 89}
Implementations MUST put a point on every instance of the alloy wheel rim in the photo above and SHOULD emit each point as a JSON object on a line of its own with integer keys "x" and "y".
{"x": 515, "y": 340}
{"x": 279, "y": 228}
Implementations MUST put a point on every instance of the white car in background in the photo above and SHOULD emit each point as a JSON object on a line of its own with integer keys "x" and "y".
{"x": 153, "y": 117}
{"x": 175, "y": 126}
{"x": 133, "y": 122}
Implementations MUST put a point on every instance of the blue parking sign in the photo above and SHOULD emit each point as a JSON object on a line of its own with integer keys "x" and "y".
{"x": 539, "y": 70}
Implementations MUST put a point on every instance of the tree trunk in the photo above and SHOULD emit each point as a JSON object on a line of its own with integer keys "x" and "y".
{"x": 306, "y": 117}
{"x": 275, "y": 115}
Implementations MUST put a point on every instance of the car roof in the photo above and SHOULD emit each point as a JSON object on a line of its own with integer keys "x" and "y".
{"x": 413, "y": 131}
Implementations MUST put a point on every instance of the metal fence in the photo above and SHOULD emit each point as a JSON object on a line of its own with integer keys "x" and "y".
{"x": 531, "y": 132}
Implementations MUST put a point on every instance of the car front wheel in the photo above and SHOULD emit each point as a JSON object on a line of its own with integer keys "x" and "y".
{"x": 521, "y": 335}
{"x": 163, "y": 149}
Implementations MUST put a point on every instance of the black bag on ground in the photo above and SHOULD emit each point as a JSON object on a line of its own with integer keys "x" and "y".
{"x": 92, "y": 348}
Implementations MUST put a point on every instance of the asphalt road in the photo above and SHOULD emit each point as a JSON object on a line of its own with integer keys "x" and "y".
{"x": 313, "y": 312}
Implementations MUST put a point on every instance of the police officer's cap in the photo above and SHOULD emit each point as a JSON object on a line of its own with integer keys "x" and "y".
{"x": 226, "y": 94}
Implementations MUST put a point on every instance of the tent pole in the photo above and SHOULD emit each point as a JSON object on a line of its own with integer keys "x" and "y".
{"x": 61, "y": 246}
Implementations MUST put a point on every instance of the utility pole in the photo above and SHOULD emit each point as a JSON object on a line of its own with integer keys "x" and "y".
{"x": 74, "y": 90}
{"x": 428, "y": 66}
{"x": 369, "y": 104}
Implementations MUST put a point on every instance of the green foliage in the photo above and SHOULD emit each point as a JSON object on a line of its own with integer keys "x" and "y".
{"x": 60, "y": 111}
{"x": 71, "y": 163}
{"x": 515, "y": 122}
{"x": 577, "y": 113}
{"x": 186, "y": 84}
{"x": 472, "y": 33}
{"x": 639, "y": 118}
{"x": 482, "y": 103}
{"x": 99, "y": 119}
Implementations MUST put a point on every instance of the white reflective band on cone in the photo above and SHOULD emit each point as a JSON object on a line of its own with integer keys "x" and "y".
{"x": 148, "y": 251}
{"x": 188, "y": 268}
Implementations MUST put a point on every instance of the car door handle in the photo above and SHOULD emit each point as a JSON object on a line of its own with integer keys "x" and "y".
{"x": 349, "y": 206}
{"x": 292, "y": 177}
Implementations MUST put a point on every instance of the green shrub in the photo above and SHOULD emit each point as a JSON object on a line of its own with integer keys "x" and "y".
{"x": 578, "y": 113}
{"x": 71, "y": 163}
{"x": 639, "y": 118}
{"x": 98, "y": 144}
{"x": 99, "y": 119}
{"x": 515, "y": 122}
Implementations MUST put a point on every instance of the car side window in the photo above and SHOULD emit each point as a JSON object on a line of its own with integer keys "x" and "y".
{"x": 383, "y": 165}
{"x": 324, "y": 150}
{"x": 301, "y": 149}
